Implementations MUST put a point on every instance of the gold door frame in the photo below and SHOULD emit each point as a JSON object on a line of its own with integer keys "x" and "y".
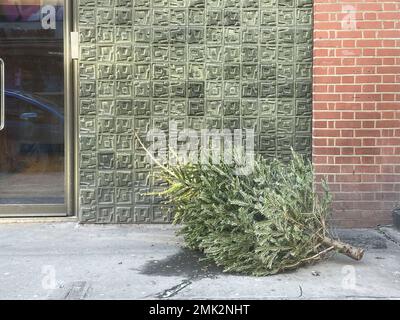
{"x": 69, "y": 208}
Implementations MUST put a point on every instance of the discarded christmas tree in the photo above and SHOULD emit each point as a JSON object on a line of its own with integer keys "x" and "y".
{"x": 266, "y": 222}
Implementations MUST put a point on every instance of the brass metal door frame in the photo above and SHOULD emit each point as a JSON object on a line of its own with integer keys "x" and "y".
{"x": 69, "y": 208}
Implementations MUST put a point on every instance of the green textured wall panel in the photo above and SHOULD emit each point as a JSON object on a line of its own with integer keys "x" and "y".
{"x": 204, "y": 63}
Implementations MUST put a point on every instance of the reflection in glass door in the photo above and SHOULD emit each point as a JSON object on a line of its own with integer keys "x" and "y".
{"x": 32, "y": 140}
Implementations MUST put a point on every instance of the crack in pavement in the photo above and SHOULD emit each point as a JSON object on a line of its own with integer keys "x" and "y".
{"x": 301, "y": 291}
{"x": 75, "y": 290}
{"x": 387, "y": 236}
{"x": 173, "y": 291}
{"x": 170, "y": 292}
{"x": 185, "y": 262}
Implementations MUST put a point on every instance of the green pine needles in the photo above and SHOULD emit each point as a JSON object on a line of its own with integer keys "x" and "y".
{"x": 263, "y": 223}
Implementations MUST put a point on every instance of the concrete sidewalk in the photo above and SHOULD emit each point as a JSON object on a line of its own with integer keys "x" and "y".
{"x": 70, "y": 261}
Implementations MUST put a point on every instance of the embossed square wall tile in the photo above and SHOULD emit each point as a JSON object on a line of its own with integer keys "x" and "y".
{"x": 217, "y": 64}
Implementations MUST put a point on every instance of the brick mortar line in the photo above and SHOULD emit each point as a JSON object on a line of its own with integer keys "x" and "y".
{"x": 355, "y": 39}
{"x": 358, "y": 66}
{"x": 357, "y": 21}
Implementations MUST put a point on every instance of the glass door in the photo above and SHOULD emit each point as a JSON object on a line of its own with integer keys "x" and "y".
{"x": 32, "y": 140}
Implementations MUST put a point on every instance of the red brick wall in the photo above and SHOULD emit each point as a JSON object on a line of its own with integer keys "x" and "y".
{"x": 356, "y": 111}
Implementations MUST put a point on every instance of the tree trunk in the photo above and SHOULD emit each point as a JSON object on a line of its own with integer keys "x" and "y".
{"x": 350, "y": 251}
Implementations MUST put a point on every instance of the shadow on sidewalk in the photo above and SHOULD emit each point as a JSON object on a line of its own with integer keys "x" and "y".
{"x": 186, "y": 262}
